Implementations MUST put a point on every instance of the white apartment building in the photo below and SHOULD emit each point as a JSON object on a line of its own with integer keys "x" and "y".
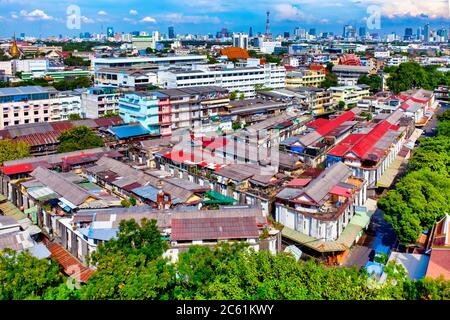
{"x": 349, "y": 75}
{"x": 396, "y": 60}
{"x": 240, "y": 40}
{"x": 98, "y": 63}
{"x": 132, "y": 78}
{"x": 38, "y": 67}
{"x": 242, "y": 80}
{"x": 97, "y": 101}
{"x": 268, "y": 46}
{"x": 32, "y": 104}
{"x": 351, "y": 95}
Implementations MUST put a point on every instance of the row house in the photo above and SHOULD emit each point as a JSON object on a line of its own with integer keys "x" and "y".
{"x": 371, "y": 151}
{"x": 14, "y": 171}
{"x": 316, "y": 212}
{"x": 321, "y": 135}
{"x": 84, "y": 231}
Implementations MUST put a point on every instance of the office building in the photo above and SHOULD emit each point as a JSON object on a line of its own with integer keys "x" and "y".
{"x": 97, "y": 101}
{"x": 242, "y": 80}
{"x": 240, "y": 40}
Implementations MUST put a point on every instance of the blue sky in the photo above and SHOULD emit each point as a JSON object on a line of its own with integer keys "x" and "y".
{"x": 48, "y": 17}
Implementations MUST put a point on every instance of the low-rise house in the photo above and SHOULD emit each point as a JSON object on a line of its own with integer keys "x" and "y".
{"x": 350, "y": 95}
{"x": 439, "y": 250}
{"x": 129, "y": 78}
{"x": 370, "y": 151}
{"x": 82, "y": 233}
{"x": 317, "y": 212}
{"x": 321, "y": 136}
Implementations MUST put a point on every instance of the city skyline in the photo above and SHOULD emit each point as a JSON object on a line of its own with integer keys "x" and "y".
{"x": 199, "y": 16}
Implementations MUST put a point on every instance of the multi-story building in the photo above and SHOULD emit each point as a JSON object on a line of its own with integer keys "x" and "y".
{"x": 350, "y": 95}
{"x": 98, "y": 63}
{"x": 242, "y": 80}
{"x": 348, "y": 75}
{"x": 132, "y": 78}
{"x": 164, "y": 110}
{"x": 97, "y": 101}
{"x": 34, "y": 104}
{"x": 370, "y": 152}
{"x": 240, "y": 40}
{"x": 34, "y": 66}
{"x": 304, "y": 78}
{"x": 396, "y": 60}
{"x": 320, "y": 213}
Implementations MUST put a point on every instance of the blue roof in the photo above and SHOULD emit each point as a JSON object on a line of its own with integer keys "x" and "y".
{"x": 150, "y": 193}
{"x": 99, "y": 234}
{"x": 128, "y": 131}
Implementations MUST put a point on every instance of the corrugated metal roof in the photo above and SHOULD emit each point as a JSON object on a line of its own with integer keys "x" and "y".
{"x": 214, "y": 228}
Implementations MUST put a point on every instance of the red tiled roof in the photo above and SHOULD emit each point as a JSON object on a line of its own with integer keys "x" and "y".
{"x": 69, "y": 263}
{"x": 235, "y": 53}
{"x": 299, "y": 182}
{"x": 346, "y": 145}
{"x": 107, "y": 122}
{"x": 439, "y": 264}
{"x": 341, "y": 191}
{"x": 317, "y": 123}
{"x": 366, "y": 144}
{"x": 336, "y": 122}
{"x": 350, "y": 60}
{"x": 214, "y": 143}
{"x": 38, "y": 139}
{"x": 19, "y": 168}
{"x": 214, "y": 228}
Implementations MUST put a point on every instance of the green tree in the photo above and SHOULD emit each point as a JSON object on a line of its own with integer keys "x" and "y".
{"x": 78, "y": 82}
{"x": 23, "y": 276}
{"x": 131, "y": 266}
{"x": 241, "y": 96}
{"x": 341, "y": 105}
{"x": 76, "y": 62}
{"x": 236, "y": 126}
{"x": 78, "y": 138}
{"x": 373, "y": 81}
{"x": 110, "y": 114}
{"x": 74, "y": 116}
{"x": 233, "y": 95}
{"x": 12, "y": 150}
{"x": 330, "y": 81}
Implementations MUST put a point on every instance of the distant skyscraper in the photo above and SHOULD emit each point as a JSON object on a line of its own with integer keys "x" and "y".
{"x": 250, "y": 32}
{"x": 426, "y": 32}
{"x": 171, "y": 33}
{"x": 349, "y": 32}
{"x": 22, "y": 35}
{"x": 362, "y": 32}
{"x": 110, "y": 32}
{"x": 312, "y": 31}
{"x": 408, "y": 34}
{"x": 286, "y": 35}
{"x": 240, "y": 40}
{"x": 135, "y": 33}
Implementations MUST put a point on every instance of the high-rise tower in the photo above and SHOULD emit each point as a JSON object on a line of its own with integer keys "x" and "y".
{"x": 268, "y": 24}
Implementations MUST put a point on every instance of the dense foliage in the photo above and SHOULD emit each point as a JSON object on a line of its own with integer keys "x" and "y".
{"x": 420, "y": 199}
{"x": 12, "y": 150}
{"x": 24, "y": 277}
{"x": 373, "y": 81}
{"x": 78, "y": 138}
{"x": 132, "y": 266}
{"x": 74, "y": 61}
{"x": 411, "y": 75}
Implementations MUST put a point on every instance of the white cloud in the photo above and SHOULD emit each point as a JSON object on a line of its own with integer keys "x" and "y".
{"x": 410, "y": 8}
{"x": 181, "y": 18}
{"x": 133, "y": 12}
{"x": 14, "y": 15}
{"x": 87, "y": 20}
{"x": 102, "y": 13}
{"x": 148, "y": 19}
{"x": 36, "y": 14}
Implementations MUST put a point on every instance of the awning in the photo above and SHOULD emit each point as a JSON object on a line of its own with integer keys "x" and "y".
{"x": 217, "y": 198}
{"x": 67, "y": 203}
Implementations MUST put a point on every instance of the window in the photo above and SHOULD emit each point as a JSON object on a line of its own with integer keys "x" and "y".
{"x": 16, "y": 114}
{"x": 27, "y": 121}
{"x": 25, "y": 113}
{"x": 36, "y": 112}
{"x": 46, "y": 111}
{"x": 5, "y": 115}
{"x": 45, "y": 119}
{"x": 5, "y": 124}
{"x": 16, "y": 122}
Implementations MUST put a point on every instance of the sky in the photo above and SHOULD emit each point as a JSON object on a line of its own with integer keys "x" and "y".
{"x": 49, "y": 17}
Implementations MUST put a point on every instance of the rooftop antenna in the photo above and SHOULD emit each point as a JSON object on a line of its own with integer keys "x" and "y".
{"x": 268, "y": 24}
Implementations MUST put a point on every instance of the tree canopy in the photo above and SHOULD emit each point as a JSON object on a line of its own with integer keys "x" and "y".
{"x": 12, "y": 150}
{"x": 373, "y": 81}
{"x": 78, "y": 138}
{"x": 420, "y": 198}
{"x": 411, "y": 75}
